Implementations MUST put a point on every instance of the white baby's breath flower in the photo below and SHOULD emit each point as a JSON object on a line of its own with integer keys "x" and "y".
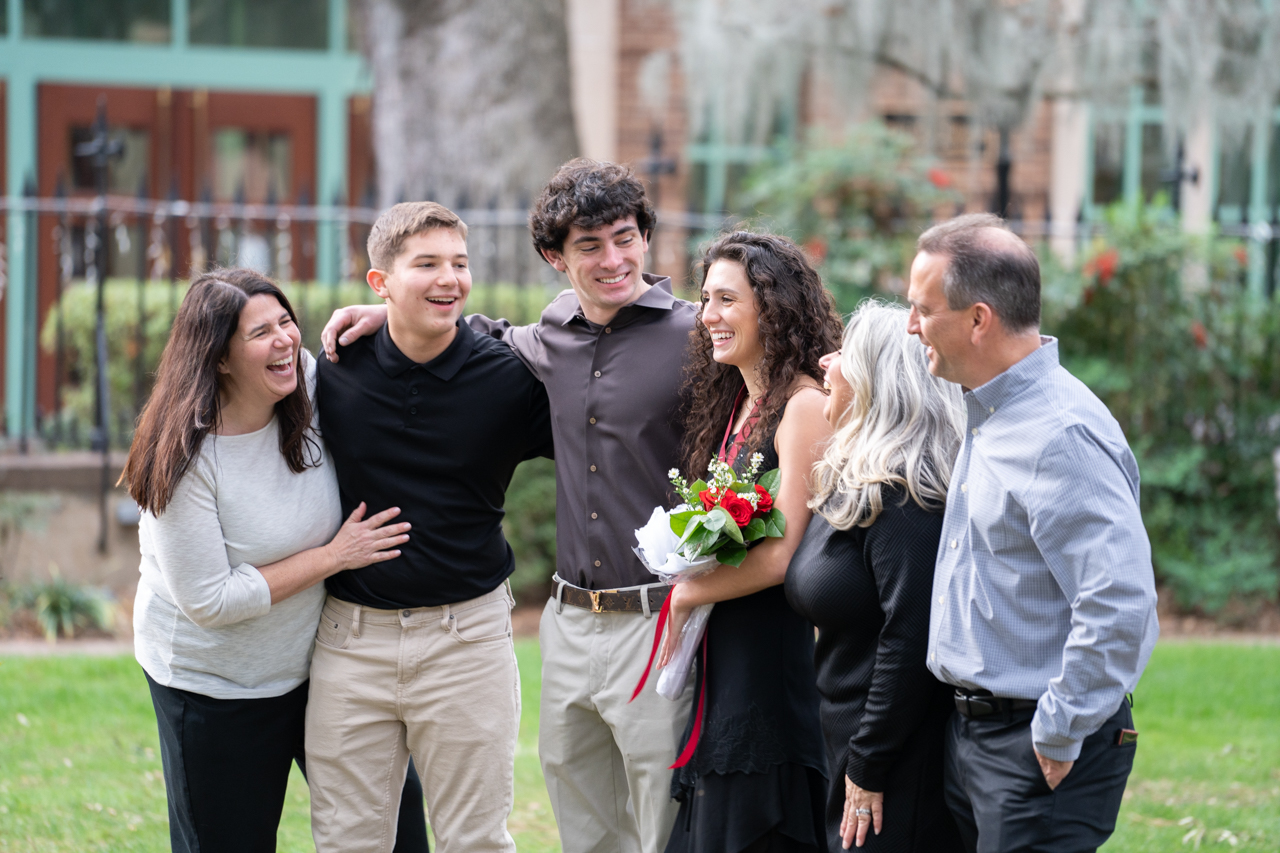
{"x": 673, "y": 474}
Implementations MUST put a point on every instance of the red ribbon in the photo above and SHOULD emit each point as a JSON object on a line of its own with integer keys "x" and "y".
{"x": 697, "y": 720}
{"x": 657, "y": 637}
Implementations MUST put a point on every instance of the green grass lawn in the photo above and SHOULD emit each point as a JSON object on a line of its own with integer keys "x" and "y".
{"x": 80, "y": 765}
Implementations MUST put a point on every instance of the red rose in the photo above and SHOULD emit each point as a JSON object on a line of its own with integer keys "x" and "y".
{"x": 764, "y": 503}
{"x": 708, "y": 499}
{"x": 739, "y": 509}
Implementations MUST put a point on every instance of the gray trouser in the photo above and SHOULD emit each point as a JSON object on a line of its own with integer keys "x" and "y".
{"x": 999, "y": 797}
{"x": 606, "y": 759}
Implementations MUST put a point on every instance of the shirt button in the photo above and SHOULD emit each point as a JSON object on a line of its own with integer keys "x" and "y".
{"x": 597, "y": 563}
{"x": 593, "y": 515}
{"x": 933, "y": 658}
{"x": 413, "y": 390}
{"x": 597, "y": 374}
{"x": 992, "y": 410}
{"x": 413, "y": 410}
{"x": 964, "y": 487}
{"x": 955, "y": 543}
{"x": 942, "y": 599}
{"x": 592, "y": 420}
{"x": 608, "y": 330}
{"x": 975, "y": 430}
{"x": 593, "y": 467}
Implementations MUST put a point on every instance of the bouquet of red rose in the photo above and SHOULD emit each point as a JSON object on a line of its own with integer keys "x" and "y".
{"x": 712, "y": 526}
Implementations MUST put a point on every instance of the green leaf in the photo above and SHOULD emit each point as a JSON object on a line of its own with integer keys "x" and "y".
{"x": 731, "y": 555}
{"x": 698, "y": 486}
{"x": 692, "y": 526}
{"x": 776, "y": 524}
{"x": 742, "y": 488}
{"x": 731, "y": 528}
{"x": 680, "y": 520}
{"x": 769, "y": 481}
{"x": 754, "y": 530}
{"x": 717, "y": 519}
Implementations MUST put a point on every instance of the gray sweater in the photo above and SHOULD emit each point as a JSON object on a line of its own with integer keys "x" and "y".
{"x": 203, "y": 619}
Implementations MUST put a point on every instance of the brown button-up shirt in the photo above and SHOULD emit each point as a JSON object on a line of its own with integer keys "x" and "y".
{"x": 615, "y": 418}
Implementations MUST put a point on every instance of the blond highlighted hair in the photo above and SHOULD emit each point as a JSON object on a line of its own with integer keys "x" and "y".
{"x": 400, "y": 222}
{"x": 902, "y": 428}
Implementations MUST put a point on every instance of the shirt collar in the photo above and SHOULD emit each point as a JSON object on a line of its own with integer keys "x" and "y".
{"x": 444, "y": 366}
{"x": 658, "y": 296}
{"x": 1019, "y": 377}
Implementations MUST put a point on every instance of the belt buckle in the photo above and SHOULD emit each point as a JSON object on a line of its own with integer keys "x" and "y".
{"x": 595, "y": 598}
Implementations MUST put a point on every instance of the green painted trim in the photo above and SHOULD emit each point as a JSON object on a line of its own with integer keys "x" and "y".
{"x": 711, "y": 152}
{"x": 179, "y": 23}
{"x": 20, "y": 129}
{"x": 1258, "y": 206}
{"x": 13, "y": 19}
{"x": 331, "y": 176}
{"x": 1131, "y": 177}
{"x": 201, "y": 67}
{"x": 337, "y": 27}
{"x": 1090, "y": 164}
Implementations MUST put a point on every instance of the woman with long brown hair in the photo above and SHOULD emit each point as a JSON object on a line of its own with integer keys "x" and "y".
{"x": 241, "y": 523}
{"x": 757, "y": 776}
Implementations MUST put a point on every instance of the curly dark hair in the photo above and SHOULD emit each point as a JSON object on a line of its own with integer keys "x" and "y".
{"x": 588, "y": 193}
{"x": 798, "y": 325}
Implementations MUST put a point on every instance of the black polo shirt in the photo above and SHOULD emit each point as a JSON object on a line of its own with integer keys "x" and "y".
{"x": 439, "y": 440}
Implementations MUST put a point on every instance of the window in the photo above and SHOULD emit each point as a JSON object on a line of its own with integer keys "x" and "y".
{"x": 126, "y": 172}
{"x": 1235, "y": 175}
{"x": 251, "y": 166}
{"x": 261, "y": 23}
{"x": 1157, "y": 162}
{"x": 145, "y": 21}
{"x": 1108, "y": 163}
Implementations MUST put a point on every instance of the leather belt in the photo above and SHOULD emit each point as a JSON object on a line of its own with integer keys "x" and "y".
{"x": 978, "y": 705}
{"x": 613, "y": 600}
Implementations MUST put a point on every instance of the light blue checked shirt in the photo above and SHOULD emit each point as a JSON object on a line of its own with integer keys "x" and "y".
{"x": 1044, "y": 588}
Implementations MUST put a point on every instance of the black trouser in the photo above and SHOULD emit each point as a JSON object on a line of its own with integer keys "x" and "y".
{"x": 999, "y": 797}
{"x": 226, "y": 768}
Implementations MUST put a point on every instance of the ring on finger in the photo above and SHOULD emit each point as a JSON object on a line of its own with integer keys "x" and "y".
{"x": 862, "y": 812}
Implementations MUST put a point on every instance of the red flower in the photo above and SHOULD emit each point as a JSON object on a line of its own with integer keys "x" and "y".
{"x": 1106, "y": 264}
{"x": 1242, "y": 255}
{"x": 739, "y": 509}
{"x": 708, "y": 499}
{"x": 764, "y": 503}
{"x": 939, "y": 178}
{"x": 1199, "y": 334}
{"x": 816, "y": 249}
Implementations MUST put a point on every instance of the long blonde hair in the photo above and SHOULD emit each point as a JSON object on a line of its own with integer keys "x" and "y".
{"x": 902, "y": 428}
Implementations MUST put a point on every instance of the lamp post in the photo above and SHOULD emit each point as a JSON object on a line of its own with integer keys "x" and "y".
{"x": 100, "y": 150}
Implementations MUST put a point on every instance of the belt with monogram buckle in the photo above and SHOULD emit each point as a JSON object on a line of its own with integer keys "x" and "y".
{"x": 613, "y": 600}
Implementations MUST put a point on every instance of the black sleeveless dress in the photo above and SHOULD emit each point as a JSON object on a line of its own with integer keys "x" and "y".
{"x": 757, "y": 780}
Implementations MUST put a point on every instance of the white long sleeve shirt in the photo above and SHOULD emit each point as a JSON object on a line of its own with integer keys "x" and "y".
{"x": 203, "y": 619}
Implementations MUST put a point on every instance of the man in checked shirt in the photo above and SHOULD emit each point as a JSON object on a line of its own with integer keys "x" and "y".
{"x": 1043, "y": 614}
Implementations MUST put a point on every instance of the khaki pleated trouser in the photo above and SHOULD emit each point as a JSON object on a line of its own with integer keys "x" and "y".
{"x": 438, "y": 682}
{"x": 606, "y": 759}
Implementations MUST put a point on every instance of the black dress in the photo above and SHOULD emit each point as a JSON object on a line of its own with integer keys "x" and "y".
{"x": 868, "y": 590}
{"x": 757, "y": 779}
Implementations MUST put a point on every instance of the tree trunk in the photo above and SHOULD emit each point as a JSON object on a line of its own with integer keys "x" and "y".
{"x": 471, "y": 98}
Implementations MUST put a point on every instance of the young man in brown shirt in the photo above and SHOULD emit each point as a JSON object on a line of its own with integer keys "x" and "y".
{"x": 611, "y": 353}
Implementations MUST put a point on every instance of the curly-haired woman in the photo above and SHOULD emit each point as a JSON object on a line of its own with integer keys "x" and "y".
{"x": 864, "y": 575}
{"x": 757, "y": 777}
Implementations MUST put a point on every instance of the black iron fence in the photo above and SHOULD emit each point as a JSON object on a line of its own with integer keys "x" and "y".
{"x": 105, "y": 276}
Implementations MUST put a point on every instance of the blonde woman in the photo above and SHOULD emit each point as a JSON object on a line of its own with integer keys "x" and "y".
{"x": 864, "y": 574}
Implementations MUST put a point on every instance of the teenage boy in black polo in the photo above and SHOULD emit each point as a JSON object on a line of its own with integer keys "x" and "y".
{"x": 414, "y": 654}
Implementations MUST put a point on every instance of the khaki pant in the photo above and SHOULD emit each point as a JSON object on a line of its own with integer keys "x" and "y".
{"x": 438, "y": 682}
{"x": 606, "y": 759}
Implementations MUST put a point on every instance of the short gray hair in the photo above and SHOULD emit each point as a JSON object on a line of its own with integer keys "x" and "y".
{"x": 902, "y": 428}
{"x": 983, "y": 266}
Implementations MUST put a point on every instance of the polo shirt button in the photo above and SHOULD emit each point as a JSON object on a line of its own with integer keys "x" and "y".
{"x": 597, "y": 374}
{"x": 413, "y": 410}
{"x": 608, "y": 330}
{"x": 413, "y": 390}
{"x": 593, "y": 515}
{"x": 597, "y": 563}
{"x": 593, "y": 420}
{"x": 593, "y": 467}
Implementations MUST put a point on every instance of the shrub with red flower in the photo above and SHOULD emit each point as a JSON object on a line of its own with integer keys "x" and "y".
{"x": 1103, "y": 265}
{"x": 1199, "y": 334}
{"x": 940, "y": 178}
